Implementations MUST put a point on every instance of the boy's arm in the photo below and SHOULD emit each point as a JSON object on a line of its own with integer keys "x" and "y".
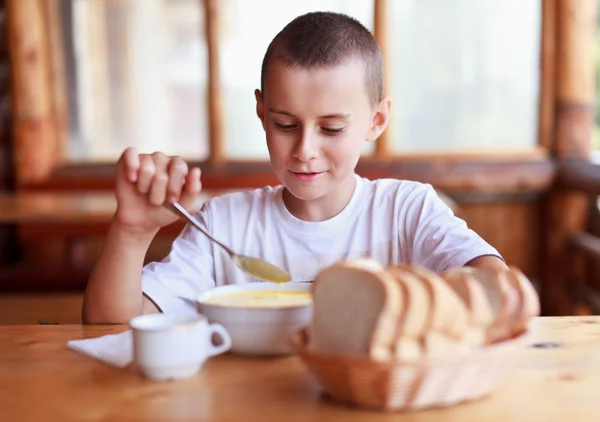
{"x": 439, "y": 239}
{"x": 144, "y": 183}
{"x": 114, "y": 291}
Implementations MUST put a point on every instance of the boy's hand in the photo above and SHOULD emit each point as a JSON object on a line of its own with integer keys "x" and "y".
{"x": 145, "y": 182}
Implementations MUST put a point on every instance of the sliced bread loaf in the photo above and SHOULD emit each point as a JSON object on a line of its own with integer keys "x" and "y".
{"x": 528, "y": 300}
{"x": 413, "y": 320}
{"x": 502, "y": 297}
{"x": 406, "y": 312}
{"x": 473, "y": 294}
{"x": 448, "y": 313}
{"x": 356, "y": 308}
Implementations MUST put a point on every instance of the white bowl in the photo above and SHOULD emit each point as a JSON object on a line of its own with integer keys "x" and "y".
{"x": 258, "y": 331}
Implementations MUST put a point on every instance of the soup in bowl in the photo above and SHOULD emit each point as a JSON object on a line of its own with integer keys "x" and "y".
{"x": 259, "y": 317}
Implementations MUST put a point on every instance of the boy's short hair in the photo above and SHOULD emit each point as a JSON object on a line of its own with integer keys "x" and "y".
{"x": 324, "y": 39}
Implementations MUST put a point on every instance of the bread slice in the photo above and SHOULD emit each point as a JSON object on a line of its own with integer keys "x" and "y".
{"x": 356, "y": 306}
{"x": 502, "y": 297}
{"x": 528, "y": 300}
{"x": 414, "y": 317}
{"x": 473, "y": 295}
{"x": 448, "y": 313}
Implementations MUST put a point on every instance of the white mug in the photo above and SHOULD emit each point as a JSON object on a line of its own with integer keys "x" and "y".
{"x": 175, "y": 346}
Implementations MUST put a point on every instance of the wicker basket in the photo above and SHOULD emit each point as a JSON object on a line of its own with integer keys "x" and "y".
{"x": 395, "y": 385}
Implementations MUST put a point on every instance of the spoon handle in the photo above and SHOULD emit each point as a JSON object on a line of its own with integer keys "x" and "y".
{"x": 179, "y": 210}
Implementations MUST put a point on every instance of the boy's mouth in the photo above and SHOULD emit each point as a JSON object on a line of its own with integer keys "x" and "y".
{"x": 306, "y": 176}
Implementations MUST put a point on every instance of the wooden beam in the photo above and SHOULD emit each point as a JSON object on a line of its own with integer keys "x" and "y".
{"x": 548, "y": 65}
{"x": 464, "y": 175}
{"x": 215, "y": 110}
{"x": 381, "y": 33}
{"x": 460, "y": 175}
{"x": 34, "y": 126}
{"x": 58, "y": 76}
{"x": 586, "y": 243}
{"x": 588, "y": 295}
{"x": 580, "y": 175}
{"x": 565, "y": 210}
{"x": 564, "y": 213}
{"x": 576, "y": 73}
{"x": 35, "y": 230}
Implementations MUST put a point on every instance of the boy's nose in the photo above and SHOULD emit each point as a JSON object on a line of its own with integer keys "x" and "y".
{"x": 307, "y": 147}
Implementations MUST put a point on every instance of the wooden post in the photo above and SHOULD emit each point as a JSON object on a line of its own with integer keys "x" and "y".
{"x": 215, "y": 111}
{"x": 575, "y": 90}
{"x": 548, "y": 75}
{"x": 34, "y": 126}
{"x": 8, "y": 245}
{"x": 382, "y": 36}
{"x": 58, "y": 76}
{"x": 565, "y": 210}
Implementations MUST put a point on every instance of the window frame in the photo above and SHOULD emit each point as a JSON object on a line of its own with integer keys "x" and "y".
{"x": 40, "y": 116}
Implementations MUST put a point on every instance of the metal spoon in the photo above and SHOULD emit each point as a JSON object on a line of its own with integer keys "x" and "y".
{"x": 254, "y": 266}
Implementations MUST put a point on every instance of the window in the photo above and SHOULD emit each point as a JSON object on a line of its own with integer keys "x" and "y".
{"x": 139, "y": 73}
{"x": 138, "y": 76}
{"x": 469, "y": 78}
{"x": 459, "y": 80}
{"x": 464, "y": 75}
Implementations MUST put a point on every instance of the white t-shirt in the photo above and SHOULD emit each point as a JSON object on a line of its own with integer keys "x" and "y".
{"x": 392, "y": 221}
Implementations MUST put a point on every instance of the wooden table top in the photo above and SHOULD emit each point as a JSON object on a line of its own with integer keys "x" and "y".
{"x": 40, "y": 379}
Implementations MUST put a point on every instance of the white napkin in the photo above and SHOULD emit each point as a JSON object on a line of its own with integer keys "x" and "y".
{"x": 113, "y": 349}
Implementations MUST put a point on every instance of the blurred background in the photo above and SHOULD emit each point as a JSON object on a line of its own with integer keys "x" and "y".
{"x": 493, "y": 104}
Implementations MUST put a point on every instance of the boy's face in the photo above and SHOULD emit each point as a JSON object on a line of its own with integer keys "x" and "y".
{"x": 316, "y": 123}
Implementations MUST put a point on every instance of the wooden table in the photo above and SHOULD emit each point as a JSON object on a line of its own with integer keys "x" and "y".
{"x": 42, "y": 380}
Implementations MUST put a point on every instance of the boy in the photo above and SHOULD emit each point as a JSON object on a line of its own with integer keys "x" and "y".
{"x": 320, "y": 100}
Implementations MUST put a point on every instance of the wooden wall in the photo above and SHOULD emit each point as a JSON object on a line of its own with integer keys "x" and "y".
{"x": 6, "y": 172}
{"x": 7, "y": 237}
{"x": 513, "y": 227}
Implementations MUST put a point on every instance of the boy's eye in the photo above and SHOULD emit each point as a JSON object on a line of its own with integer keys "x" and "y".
{"x": 285, "y": 127}
{"x": 332, "y": 130}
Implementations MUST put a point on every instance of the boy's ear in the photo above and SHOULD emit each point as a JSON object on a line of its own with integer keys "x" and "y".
{"x": 260, "y": 109}
{"x": 380, "y": 119}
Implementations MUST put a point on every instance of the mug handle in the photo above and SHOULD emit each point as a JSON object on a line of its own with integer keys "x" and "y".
{"x": 223, "y": 335}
